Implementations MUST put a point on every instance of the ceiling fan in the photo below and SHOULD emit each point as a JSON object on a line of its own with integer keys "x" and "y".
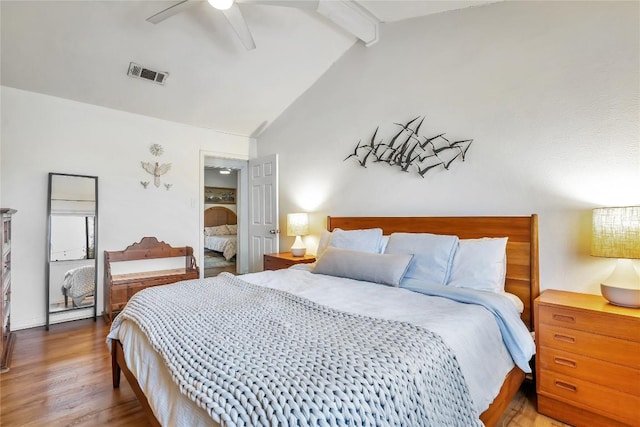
{"x": 344, "y": 13}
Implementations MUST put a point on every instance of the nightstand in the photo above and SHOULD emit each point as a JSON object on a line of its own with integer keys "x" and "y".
{"x": 587, "y": 359}
{"x": 285, "y": 260}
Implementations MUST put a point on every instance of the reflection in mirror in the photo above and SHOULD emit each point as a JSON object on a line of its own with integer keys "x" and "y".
{"x": 72, "y": 237}
{"x": 72, "y": 266}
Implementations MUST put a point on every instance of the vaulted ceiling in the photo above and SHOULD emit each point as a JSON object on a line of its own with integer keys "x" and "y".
{"x": 81, "y": 50}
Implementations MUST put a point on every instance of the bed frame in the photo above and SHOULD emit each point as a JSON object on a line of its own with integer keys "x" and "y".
{"x": 522, "y": 280}
{"x": 522, "y": 266}
{"x": 219, "y": 215}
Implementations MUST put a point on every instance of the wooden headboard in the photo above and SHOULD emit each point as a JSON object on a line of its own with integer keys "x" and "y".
{"x": 522, "y": 246}
{"x": 219, "y": 215}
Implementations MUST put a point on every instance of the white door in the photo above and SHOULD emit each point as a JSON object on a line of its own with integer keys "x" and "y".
{"x": 263, "y": 209}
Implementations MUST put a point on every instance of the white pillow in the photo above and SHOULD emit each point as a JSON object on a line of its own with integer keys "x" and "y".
{"x": 219, "y": 230}
{"x": 366, "y": 240}
{"x": 383, "y": 244}
{"x": 325, "y": 238}
{"x": 233, "y": 228}
{"x": 480, "y": 264}
{"x": 324, "y": 242}
{"x": 432, "y": 255}
{"x": 387, "y": 269}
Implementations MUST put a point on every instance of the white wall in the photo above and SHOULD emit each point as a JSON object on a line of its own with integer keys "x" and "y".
{"x": 548, "y": 90}
{"x": 42, "y": 134}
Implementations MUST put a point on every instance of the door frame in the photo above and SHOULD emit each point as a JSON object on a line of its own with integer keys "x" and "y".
{"x": 241, "y": 164}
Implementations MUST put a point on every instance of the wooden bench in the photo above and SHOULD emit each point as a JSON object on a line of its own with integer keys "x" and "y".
{"x": 119, "y": 288}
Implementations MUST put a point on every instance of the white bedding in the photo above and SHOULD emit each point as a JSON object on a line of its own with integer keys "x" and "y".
{"x": 470, "y": 330}
{"x": 226, "y": 244}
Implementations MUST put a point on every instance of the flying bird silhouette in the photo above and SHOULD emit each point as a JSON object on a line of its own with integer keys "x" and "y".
{"x": 355, "y": 151}
{"x": 421, "y": 172}
{"x": 446, "y": 163}
{"x": 463, "y": 151}
{"x": 363, "y": 162}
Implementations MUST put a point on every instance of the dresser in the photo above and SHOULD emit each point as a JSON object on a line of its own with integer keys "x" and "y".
{"x": 120, "y": 287}
{"x": 587, "y": 360}
{"x": 285, "y": 260}
{"x": 8, "y": 337}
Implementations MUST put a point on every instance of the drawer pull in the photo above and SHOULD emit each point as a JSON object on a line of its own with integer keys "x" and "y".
{"x": 564, "y": 338}
{"x": 564, "y": 318}
{"x": 565, "y": 362}
{"x": 566, "y": 386}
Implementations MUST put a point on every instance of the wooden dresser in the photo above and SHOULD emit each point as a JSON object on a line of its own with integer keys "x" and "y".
{"x": 588, "y": 360}
{"x": 119, "y": 288}
{"x": 6, "y": 345}
{"x": 285, "y": 260}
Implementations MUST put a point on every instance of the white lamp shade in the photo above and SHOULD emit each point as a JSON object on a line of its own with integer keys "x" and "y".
{"x": 616, "y": 232}
{"x": 297, "y": 224}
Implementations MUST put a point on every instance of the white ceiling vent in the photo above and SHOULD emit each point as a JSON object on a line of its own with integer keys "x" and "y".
{"x": 136, "y": 70}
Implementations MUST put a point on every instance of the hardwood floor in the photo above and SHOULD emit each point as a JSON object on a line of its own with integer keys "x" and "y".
{"x": 63, "y": 378}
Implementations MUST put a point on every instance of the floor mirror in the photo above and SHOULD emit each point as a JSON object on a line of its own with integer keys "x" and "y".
{"x": 72, "y": 269}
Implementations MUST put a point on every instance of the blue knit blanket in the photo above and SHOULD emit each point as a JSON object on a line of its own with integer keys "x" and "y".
{"x": 255, "y": 356}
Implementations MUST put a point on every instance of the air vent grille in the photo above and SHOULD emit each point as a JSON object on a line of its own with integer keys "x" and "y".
{"x": 136, "y": 70}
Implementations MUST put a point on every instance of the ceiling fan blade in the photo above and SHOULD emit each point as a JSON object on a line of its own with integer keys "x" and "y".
{"x": 170, "y": 11}
{"x": 298, "y": 4}
{"x": 239, "y": 25}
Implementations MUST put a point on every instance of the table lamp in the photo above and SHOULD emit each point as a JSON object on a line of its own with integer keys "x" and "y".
{"x": 298, "y": 225}
{"x": 616, "y": 234}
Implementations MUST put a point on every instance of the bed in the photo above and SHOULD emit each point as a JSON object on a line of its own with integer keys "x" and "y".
{"x": 79, "y": 283}
{"x": 221, "y": 231}
{"x": 143, "y": 367}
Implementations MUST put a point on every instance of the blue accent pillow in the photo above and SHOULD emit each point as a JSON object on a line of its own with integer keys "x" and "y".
{"x": 387, "y": 269}
{"x": 432, "y": 255}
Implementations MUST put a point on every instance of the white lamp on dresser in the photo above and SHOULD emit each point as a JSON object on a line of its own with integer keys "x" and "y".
{"x": 298, "y": 225}
{"x": 616, "y": 234}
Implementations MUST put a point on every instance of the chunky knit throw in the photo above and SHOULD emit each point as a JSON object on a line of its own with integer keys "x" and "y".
{"x": 255, "y": 356}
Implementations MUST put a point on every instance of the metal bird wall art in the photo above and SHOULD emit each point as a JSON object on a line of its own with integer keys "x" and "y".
{"x": 408, "y": 150}
{"x": 156, "y": 169}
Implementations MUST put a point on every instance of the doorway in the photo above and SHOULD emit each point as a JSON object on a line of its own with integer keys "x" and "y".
{"x": 224, "y": 238}
{"x": 220, "y": 220}
{"x": 256, "y": 207}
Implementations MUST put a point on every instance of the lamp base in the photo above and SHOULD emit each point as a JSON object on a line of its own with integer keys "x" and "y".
{"x": 298, "y": 248}
{"x": 623, "y": 286}
{"x": 298, "y": 251}
{"x": 623, "y": 297}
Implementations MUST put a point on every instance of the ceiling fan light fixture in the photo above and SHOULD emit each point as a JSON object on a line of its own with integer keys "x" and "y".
{"x": 221, "y": 4}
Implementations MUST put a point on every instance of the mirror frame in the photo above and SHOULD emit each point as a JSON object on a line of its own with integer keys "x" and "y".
{"x": 48, "y": 251}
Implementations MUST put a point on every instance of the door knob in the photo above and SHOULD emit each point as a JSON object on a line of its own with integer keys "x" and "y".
{"x": 274, "y": 231}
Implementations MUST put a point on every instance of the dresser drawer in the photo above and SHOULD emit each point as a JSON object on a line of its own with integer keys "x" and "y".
{"x": 592, "y": 345}
{"x": 593, "y": 370}
{"x": 599, "y": 323}
{"x": 611, "y": 403}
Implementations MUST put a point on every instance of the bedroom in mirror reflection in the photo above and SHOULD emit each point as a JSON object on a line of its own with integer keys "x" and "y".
{"x": 72, "y": 238}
